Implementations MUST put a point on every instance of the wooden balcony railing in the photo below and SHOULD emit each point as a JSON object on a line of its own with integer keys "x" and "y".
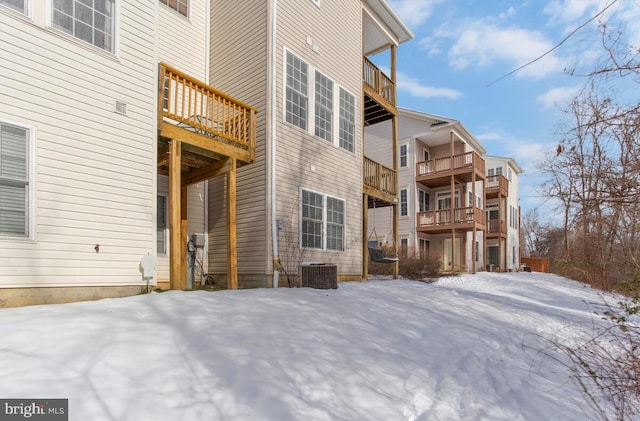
{"x": 380, "y": 83}
{"x": 205, "y": 110}
{"x": 379, "y": 177}
{"x": 496, "y": 226}
{"x": 445, "y": 218}
{"x": 466, "y": 160}
{"x": 497, "y": 184}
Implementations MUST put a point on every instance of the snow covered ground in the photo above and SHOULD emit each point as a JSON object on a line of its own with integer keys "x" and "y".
{"x": 463, "y": 348}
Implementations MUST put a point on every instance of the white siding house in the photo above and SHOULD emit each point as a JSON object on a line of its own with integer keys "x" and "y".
{"x": 503, "y": 213}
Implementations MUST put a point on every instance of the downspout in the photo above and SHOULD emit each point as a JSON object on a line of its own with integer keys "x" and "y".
{"x": 273, "y": 11}
{"x": 207, "y": 68}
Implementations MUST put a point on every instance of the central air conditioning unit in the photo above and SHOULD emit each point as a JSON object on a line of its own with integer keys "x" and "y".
{"x": 319, "y": 275}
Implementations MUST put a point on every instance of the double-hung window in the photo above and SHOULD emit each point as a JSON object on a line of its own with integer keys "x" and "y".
{"x": 14, "y": 180}
{"x": 180, "y": 6}
{"x": 324, "y": 107}
{"x": 297, "y": 92}
{"x": 17, "y": 5}
{"x": 323, "y": 221}
{"x": 404, "y": 204}
{"x": 92, "y": 21}
{"x": 347, "y": 133}
{"x": 403, "y": 155}
{"x": 318, "y": 105}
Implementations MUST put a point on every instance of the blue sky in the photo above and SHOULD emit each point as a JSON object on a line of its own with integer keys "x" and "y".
{"x": 462, "y": 46}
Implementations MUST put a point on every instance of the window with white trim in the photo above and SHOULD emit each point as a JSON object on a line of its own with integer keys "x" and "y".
{"x": 161, "y": 224}
{"x": 15, "y": 180}
{"x": 347, "y": 131}
{"x": 323, "y": 221}
{"x": 403, "y": 155}
{"x": 297, "y": 92}
{"x": 17, "y": 5}
{"x": 404, "y": 205}
{"x": 490, "y": 172}
{"x": 180, "y": 6}
{"x": 92, "y": 21}
{"x": 312, "y": 100}
{"x": 323, "y": 107}
{"x": 498, "y": 170}
{"x": 425, "y": 154}
{"x": 424, "y": 246}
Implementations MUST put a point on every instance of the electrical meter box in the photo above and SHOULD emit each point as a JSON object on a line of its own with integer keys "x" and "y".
{"x": 197, "y": 240}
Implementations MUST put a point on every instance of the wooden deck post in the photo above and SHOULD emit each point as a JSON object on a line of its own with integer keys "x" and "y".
{"x": 232, "y": 239}
{"x": 365, "y": 238}
{"x": 175, "y": 216}
{"x": 184, "y": 230}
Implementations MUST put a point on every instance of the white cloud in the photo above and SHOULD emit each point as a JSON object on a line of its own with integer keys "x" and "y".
{"x": 481, "y": 44}
{"x": 558, "y": 97}
{"x": 415, "y": 88}
{"x": 571, "y": 10}
{"x": 414, "y": 12}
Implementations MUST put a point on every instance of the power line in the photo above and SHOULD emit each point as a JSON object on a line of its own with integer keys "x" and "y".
{"x": 556, "y": 46}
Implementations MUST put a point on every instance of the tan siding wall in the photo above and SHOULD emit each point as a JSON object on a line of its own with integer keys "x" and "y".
{"x": 239, "y": 68}
{"x": 94, "y": 168}
{"x": 182, "y": 42}
{"x": 306, "y": 161}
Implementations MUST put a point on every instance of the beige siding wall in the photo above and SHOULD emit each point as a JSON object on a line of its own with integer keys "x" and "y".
{"x": 94, "y": 168}
{"x": 238, "y": 67}
{"x": 305, "y": 161}
{"x": 182, "y": 41}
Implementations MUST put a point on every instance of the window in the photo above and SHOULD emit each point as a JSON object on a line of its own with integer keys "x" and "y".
{"x": 323, "y": 221}
{"x": 477, "y": 251}
{"x": 347, "y": 133}
{"x": 499, "y": 171}
{"x": 296, "y": 102}
{"x": 404, "y": 246}
{"x": 509, "y": 172}
{"x": 17, "y": 5}
{"x": 490, "y": 172}
{"x": 423, "y": 201}
{"x": 335, "y": 224}
{"x": 329, "y": 99}
{"x": 404, "y": 206}
{"x": 470, "y": 199}
{"x": 426, "y": 154}
{"x": 161, "y": 224}
{"x": 14, "y": 180}
{"x": 324, "y": 107}
{"x": 180, "y": 6}
{"x": 403, "y": 155}
{"x": 92, "y": 21}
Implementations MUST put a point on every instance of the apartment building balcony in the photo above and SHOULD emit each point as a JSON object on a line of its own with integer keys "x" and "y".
{"x": 211, "y": 125}
{"x": 496, "y": 186}
{"x": 445, "y": 220}
{"x": 437, "y": 172}
{"x": 379, "y": 184}
{"x": 379, "y": 94}
{"x": 496, "y": 228}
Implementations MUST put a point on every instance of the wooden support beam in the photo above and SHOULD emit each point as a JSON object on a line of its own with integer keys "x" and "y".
{"x": 211, "y": 144}
{"x": 365, "y": 237}
{"x": 394, "y": 137}
{"x": 205, "y": 173}
{"x": 232, "y": 239}
{"x": 163, "y": 155}
{"x": 184, "y": 230}
{"x": 175, "y": 221}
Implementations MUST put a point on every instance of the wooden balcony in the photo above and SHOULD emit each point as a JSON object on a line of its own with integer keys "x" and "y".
{"x": 496, "y": 185}
{"x": 437, "y": 172}
{"x": 445, "y": 220}
{"x": 197, "y": 114}
{"x": 496, "y": 228}
{"x": 379, "y": 183}
{"x": 379, "y": 94}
